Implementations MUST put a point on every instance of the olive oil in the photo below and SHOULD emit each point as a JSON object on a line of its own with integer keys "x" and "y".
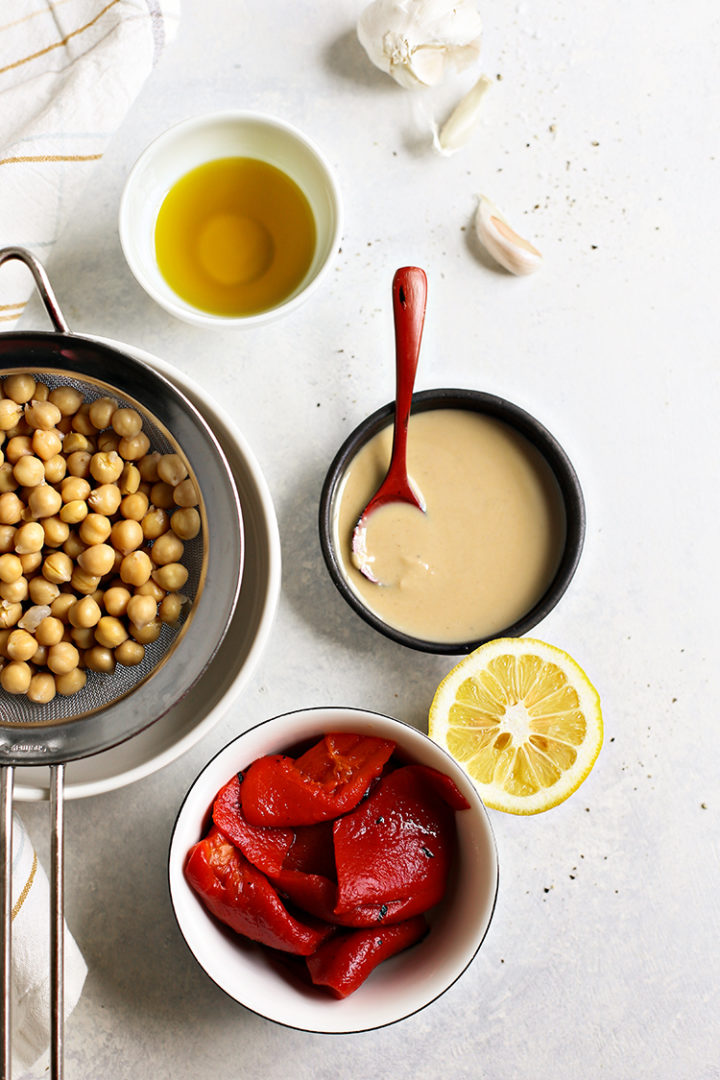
{"x": 235, "y": 236}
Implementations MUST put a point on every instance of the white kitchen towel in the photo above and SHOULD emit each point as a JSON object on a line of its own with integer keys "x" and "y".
{"x": 30, "y": 1007}
{"x": 69, "y": 71}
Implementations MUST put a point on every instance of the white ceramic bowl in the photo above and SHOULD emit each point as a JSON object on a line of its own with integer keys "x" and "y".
{"x": 194, "y": 142}
{"x": 398, "y": 987}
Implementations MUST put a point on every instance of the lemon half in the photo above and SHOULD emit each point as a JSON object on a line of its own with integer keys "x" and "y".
{"x": 523, "y": 720}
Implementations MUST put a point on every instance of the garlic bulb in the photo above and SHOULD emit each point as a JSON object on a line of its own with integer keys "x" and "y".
{"x": 461, "y": 123}
{"x": 505, "y": 245}
{"x": 415, "y": 41}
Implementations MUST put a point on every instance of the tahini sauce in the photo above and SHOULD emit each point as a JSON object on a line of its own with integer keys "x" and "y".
{"x": 485, "y": 550}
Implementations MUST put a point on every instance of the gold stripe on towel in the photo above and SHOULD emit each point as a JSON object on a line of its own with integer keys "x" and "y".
{"x": 28, "y": 885}
{"x": 59, "y": 44}
{"x": 50, "y": 157}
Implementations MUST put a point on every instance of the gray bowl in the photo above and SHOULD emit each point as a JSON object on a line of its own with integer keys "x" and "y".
{"x": 524, "y": 424}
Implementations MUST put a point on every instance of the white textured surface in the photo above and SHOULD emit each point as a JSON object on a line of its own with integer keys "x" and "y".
{"x": 600, "y": 144}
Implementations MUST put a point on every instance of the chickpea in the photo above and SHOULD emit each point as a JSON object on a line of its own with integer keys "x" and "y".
{"x": 55, "y": 469}
{"x": 129, "y": 653}
{"x": 101, "y": 412}
{"x": 42, "y": 688}
{"x": 84, "y": 613}
{"x": 60, "y": 606}
{"x": 42, "y": 392}
{"x": 56, "y": 531}
{"x": 74, "y": 512}
{"x": 135, "y": 569}
{"x": 127, "y": 423}
{"x": 156, "y": 522}
{"x": 83, "y": 637}
{"x": 73, "y": 545}
{"x": 8, "y": 482}
{"x": 70, "y": 682}
{"x": 185, "y": 522}
{"x": 172, "y": 469}
{"x": 10, "y": 615}
{"x": 58, "y": 567}
{"x": 42, "y": 414}
{"x": 44, "y": 501}
{"x": 50, "y": 631}
{"x": 107, "y": 441}
{"x": 42, "y": 591}
{"x": 62, "y": 657}
{"x": 4, "y": 635}
{"x": 81, "y": 421}
{"x": 151, "y": 589}
{"x": 21, "y": 645}
{"x": 74, "y": 489}
{"x": 116, "y": 599}
{"x": 17, "y": 447}
{"x": 171, "y": 608}
{"x": 161, "y": 494}
{"x": 19, "y": 387}
{"x": 29, "y": 471}
{"x": 95, "y": 529}
{"x": 126, "y": 536}
{"x": 15, "y": 677}
{"x": 78, "y": 463}
{"x": 11, "y": 508}
{"x": 105, "y": 499}
{"x": 145, "y": 635}
{"x": 10, "y": 413}
{"x": 67, "y": 399}
{"x": 106, "y": 467}
{"x": 31, "y": 562}
{"x": 129, "y": 480}
{"x": 8, "y": 534}
{"x": 134, "y": 506}
{"x": 46, "y": 444}
{"x": 14, "y": 591}
{"x": 185, "y": 494}
{"x": 10, "y": 567}
{"x": 135, "y": 447}
{"x": 74, "y": 443}
{"x": 168, "y": 548}
{"x": 100, "y": 658}
{"x": 170, "y": 577}
{"x": 141, "y": 610}
{"x": 82, "y": 581}
{"x": 110, "y": 632}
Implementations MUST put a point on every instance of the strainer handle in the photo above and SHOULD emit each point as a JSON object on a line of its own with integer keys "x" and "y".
{"x": 42, "y": 282}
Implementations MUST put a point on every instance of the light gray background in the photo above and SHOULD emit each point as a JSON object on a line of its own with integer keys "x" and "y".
{"x": 599, "y": 143}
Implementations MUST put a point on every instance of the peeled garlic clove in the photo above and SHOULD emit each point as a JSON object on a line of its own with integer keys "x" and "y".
{"x": 505, "y": 245}
{"x": 461, "y": 123}
{"x": 415, "y": 41}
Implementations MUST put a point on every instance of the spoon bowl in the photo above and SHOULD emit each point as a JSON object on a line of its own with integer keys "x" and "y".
{"x": 409, "y": 294}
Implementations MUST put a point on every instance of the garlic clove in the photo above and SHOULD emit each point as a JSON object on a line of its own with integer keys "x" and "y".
{"x": 416, "y": 41}
{"x": 505, "y": 245}
{"x": 459, "y": 126}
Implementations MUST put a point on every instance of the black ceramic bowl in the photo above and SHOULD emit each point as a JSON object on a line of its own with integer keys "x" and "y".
{"x": 524, "y": 424}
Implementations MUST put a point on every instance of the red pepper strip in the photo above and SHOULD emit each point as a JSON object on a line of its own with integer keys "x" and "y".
{"x": 398, "y": 843}
{"x": 275, "y": 791}
{"x": 263, "y": 847}
{"x": 318, "y": 895}
{"x": 345, "y": 961}
{"x": 443, "y": 786}
{"x": 242, "y": 898}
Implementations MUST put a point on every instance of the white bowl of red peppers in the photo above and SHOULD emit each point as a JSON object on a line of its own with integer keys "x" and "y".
{"x": 333, "y": 870}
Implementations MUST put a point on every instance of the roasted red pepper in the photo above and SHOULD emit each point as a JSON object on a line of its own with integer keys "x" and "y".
{"x": 345, "y": 961}
{"x": 397, "y": 845}
{"x": 242, "y": 897}
{"x": 263, "y": 847}
{"x": 327, "y": 780}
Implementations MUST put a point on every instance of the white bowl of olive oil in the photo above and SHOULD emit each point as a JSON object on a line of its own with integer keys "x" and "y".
{"x": 230, "y": 219}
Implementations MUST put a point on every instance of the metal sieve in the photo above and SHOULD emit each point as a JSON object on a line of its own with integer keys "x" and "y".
{"x": 113, "y": 708}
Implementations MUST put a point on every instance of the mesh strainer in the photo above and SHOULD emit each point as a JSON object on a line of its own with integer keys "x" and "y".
{"x": 113, "y": 708}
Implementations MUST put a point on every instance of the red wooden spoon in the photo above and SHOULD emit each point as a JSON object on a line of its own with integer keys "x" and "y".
{"x": 409, "y": 293}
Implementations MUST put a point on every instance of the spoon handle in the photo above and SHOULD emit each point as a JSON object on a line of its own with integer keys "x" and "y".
{"x": 409, "y": 292}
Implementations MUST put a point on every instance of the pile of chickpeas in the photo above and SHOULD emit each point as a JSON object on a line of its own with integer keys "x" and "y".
{"x": 93, "y": 527}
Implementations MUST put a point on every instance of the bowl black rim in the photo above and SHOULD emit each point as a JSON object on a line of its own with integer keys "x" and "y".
{"x": 537, "y": 434}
